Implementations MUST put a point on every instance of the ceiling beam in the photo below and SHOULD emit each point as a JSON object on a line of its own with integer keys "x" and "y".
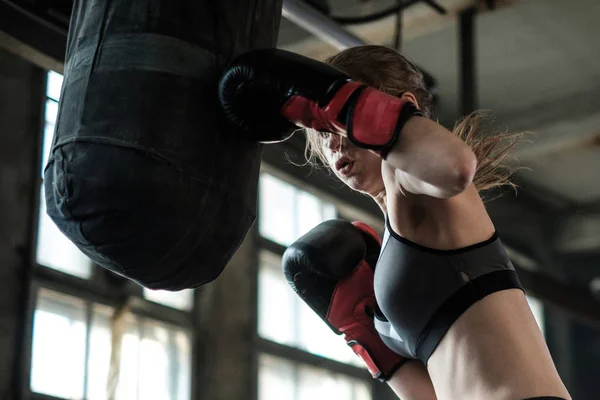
{"x": 30, "y": 36}
{"x": 320, "y": 25}
{"x": 417, "y": 21}
{"x": 559, "y": 136}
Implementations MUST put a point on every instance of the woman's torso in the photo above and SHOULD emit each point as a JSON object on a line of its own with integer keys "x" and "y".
{"x": 494, "y": 349}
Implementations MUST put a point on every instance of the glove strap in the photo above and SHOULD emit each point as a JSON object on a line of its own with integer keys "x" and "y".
{"x": 381, "y": 366}
{"x": 307, "y": 113}
{"x": 370, "y": 118}
{"x": 375, "y": 119}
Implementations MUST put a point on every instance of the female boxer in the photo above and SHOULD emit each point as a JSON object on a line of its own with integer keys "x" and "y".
{"x": 448, "y": 294}
{"x": 429, "y": 188}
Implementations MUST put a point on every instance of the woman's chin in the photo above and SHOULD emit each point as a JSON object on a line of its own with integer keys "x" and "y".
{"x": 354, "y": 182}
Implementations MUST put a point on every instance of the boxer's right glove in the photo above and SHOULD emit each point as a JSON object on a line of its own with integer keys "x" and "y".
{"x": 331, "y": 268}
{"x": 269, "y": 93}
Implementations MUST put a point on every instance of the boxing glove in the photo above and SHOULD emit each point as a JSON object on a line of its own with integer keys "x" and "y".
{"x": 270, "y": 93}
{"x": 331, "y": 268}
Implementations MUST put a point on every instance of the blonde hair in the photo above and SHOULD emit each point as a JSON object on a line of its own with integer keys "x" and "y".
{"x": 389, "y": 71}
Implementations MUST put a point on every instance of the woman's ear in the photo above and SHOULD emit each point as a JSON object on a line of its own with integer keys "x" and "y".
{"x": 410, "y": 97}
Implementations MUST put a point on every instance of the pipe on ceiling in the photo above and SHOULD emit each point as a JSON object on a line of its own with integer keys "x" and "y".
{"x": 312, "y": 20}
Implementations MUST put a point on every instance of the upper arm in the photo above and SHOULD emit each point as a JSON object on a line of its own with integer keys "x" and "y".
{"x": 403, "y": 182}
{"x": 431, "y": 160}
{"x": 416, "y": 186}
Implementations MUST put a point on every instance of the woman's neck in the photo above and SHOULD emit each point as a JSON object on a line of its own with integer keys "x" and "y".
{"x": 380, "y": 198}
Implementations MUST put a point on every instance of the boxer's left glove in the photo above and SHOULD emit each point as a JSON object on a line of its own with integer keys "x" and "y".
{"x": 269, "y": 93}
{"x": 331, "y": 268}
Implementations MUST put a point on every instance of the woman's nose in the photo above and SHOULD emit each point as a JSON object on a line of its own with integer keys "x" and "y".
{"x": 334, "y": 142}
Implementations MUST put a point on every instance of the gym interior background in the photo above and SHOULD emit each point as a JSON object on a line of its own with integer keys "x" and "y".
{"x": 70, "y": 330}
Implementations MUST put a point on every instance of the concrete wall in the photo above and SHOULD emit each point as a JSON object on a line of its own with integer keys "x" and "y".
{"x": 21, "y": 96}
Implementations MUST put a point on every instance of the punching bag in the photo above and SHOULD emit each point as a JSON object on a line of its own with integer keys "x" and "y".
{"x": 145, "y": 176}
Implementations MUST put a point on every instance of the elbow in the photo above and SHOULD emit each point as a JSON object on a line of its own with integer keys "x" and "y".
{"x": 463, "y": 172}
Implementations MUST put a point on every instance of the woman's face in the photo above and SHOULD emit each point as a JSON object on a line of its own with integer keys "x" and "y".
{"x": 360, "y": 169}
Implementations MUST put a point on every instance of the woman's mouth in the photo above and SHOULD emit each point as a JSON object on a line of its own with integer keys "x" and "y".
{"x": 345, "y": 167}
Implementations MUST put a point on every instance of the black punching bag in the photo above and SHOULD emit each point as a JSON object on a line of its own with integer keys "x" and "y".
{"x": 145, "y": 176}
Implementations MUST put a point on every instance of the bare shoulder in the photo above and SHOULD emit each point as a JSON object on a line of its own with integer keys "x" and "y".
{"x": 451, "y": 223}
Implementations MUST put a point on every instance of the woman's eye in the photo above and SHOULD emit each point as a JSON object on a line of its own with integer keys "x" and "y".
{"x": 324, "y": 135}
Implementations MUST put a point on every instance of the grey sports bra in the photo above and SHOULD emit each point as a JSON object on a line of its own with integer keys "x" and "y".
{"x": 422, "y": 291}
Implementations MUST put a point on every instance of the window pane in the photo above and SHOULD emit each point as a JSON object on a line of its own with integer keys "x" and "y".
{"x": 329, "y": 212}
{"x": 182, "y": 364}
{"x": 315, "y": 383}
{"x": 276, "y": 380}
{"x": 55, "y": 81}
{"x": 276, "y": 215}
{"x": 276, "y": 302}
{"x": 58, "y": 348}
{"x": 309, "y": 212}
{"x": 48, "y": 134}
{"x": 286, "y": 212}
{"x": 182, "y": 300}
{"x": 284, "y": 379}
{"x": 55, "y": 251}
{"x": 155, "y": 361}
{"x": 362, "y": 390}
{"x": 128, "y": 366}
{"x": 99, "y": 358}
{"x": 537, "y": 308}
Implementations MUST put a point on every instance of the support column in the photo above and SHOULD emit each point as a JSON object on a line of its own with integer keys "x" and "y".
{"x": 21, "y": 105}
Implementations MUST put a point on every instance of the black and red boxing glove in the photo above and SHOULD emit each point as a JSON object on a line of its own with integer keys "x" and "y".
{"x": 331, "y": 268}
{"x": 269, "y": 93}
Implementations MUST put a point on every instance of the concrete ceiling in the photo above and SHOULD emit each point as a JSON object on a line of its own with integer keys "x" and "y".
{"x": 538, "y": 69}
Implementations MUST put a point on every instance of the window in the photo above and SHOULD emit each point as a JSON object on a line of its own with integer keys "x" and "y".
{"x": 537, "y": 308}
{"x": 59, "y": 342}
{"x": 152, "y": 361}
{"x": 155, "y": 362}
{"x": 282, "y": 379}
{"x": 286, "y": 213}
{"x": 182, "y": 300}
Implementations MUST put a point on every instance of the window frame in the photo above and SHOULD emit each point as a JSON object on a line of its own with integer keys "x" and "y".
{"x": 102, "y": 287}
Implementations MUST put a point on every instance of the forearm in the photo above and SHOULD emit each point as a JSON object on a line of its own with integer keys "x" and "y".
{"x": 412, "y": 382}
{"x": 431, "y": 160}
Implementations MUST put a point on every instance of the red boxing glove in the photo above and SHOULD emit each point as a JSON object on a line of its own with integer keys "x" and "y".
{"x": 269, "y": 93}
{"x": 331, "y": 268}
